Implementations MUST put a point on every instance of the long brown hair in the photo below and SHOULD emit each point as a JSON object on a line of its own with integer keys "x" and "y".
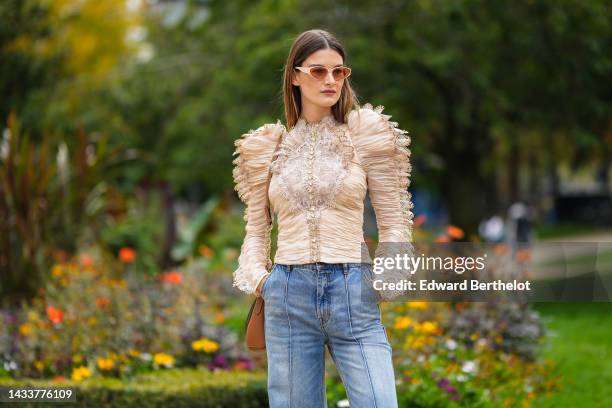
{"x": 305, "y": 44}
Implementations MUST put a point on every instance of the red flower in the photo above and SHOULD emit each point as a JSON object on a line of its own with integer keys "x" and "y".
{"x": 127, "y": 255}
{"x": 454, "y": 232}
{"x": 205, "y": 251}
{"x": 86, "y": 260}
{"x": 172, "y": 277}
{"x": 420, "y": 219}
{"x": 102, "y": 301}
{"x": 523, "y": 255}
{"x": 54, "y": 314}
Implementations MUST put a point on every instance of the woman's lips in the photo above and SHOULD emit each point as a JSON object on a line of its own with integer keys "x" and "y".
{"x": 329, "y": 92}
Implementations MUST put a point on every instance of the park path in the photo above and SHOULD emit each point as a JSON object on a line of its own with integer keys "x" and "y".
{"x": 556, "y": 257}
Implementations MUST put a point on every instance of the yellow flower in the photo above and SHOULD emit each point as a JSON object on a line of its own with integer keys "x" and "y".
{"x": 77, "y": 359}
{"x": 163, "y": 359}
{"x": 26, "y": 328}
{"x": 417, "y": 342}
{"x": 205, "y": 345}
{"x": 57, "y": 271}
{"x": 402, "y": 322}
{"x": 119, "y": 283}
{"x": 73, "y": 268}
{"x": 105, "y": 363}
{"x": 80, "y": 373}
{"x": 429, "y": 327}
{"x": 417, "y": 305}
{"x": 33, "y": 316}
{"x": 133, "y": 352}
{"x": 452, "y": 367}
{"x": 39, "y": 365}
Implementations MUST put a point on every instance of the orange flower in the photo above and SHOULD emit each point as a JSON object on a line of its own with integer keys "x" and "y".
{"x": 102, "y": 301}
{"x": 523, "y": 255}
{"x": 172, "y": 277}
{"x": 501, "y": 249}
{"x": 442, "y": 239}
{"x": 54, "y": 314}
{"x": 86, "y": 260}
{"x": 420, "y": 219}
{"x": 205, "y": 251}
{"x": 454, "y": 232}
{"x": 241, "y": 365}
{"x": 219, "y": 317}
{"x": 59, "y": 255}
{"x": 127, "y": 255}
{"x": 59, "y": 378}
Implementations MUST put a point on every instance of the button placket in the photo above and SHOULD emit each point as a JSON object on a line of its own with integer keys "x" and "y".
{"x": 313, "y": 212}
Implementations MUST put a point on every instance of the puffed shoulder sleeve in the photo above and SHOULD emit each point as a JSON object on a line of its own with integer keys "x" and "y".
{"x": 254, "y": 151}
{"x": 383, "y": 149}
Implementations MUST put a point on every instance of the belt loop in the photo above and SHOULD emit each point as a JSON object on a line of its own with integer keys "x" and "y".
{"x": 345, "y": 268}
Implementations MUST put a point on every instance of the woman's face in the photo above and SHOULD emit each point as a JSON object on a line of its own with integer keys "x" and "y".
{"x": 312, "y": 89}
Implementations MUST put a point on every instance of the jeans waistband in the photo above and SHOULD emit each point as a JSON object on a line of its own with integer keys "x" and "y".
{"x": 316, "y": 266}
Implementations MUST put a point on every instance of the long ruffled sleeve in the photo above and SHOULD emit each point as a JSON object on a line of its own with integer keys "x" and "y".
{"x": 255, "y": 150}
{"x": 384, "y": 153}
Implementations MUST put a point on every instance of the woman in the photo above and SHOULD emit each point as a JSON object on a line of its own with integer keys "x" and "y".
{"x": 331, "y": 153}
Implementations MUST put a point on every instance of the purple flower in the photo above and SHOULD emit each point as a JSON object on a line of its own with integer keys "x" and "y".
{"x": 220, "y": 361}
{"x": 447, "y": 386}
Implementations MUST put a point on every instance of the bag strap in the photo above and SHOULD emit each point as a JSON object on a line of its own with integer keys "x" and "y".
{"x": 268, "y": 209}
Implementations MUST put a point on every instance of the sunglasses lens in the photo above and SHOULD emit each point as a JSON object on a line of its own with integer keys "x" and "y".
{"x": 339, "y": 74}
{"x": 318, "y": 72}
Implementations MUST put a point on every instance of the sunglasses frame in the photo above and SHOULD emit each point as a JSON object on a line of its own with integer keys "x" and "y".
{"x": 307, "y": 70}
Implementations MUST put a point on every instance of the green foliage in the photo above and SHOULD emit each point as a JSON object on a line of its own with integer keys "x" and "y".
{"x": 139, "y": 228}
{"x": 48, "y": 194}
{"x": 473, "y": 81}
{"x": 176, "y": 388}
{"x": 188, "y": 238}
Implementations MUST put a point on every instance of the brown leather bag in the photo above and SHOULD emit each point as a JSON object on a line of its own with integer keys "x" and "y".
{"x": 254, "y": 327}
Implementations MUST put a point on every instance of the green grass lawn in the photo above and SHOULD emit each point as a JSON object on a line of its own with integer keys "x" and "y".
{"x": 581, "y": 344}
{"x": 566, "y": 230}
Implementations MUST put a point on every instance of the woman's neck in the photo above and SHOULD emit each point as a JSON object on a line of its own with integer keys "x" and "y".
{"x": 315, "y": 114}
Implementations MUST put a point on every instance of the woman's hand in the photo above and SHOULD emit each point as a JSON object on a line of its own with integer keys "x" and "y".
{"x": 258, "y": 290}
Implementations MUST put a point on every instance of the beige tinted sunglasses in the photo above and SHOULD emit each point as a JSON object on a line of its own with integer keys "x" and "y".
{"x": 320, "y": 73}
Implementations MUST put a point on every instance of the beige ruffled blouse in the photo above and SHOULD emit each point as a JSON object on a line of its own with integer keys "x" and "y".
{"x": 320, "y": 175}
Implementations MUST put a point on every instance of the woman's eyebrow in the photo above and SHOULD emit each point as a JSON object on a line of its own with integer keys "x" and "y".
{"x": 312, "y": 65}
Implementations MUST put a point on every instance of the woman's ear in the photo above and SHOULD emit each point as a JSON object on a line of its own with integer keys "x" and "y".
{"x": 294, "y": 79}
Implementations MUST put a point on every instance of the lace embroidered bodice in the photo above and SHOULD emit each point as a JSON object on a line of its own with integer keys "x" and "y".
{"x": 320, "y": 175}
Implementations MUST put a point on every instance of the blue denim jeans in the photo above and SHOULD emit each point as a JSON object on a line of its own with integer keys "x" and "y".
{"x": 312, "y": 305}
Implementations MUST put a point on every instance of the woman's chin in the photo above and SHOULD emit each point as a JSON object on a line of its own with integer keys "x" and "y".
{"x": 327, "y": 100}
